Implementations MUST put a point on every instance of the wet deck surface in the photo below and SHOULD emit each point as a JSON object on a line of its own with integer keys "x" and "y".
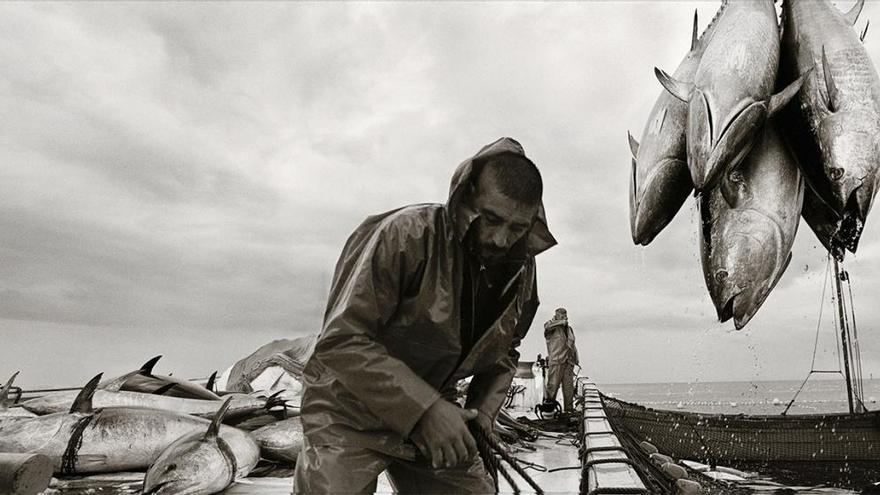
{"x": 549, "y": 453}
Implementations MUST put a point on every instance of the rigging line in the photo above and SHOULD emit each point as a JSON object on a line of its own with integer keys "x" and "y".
{"x": 819, "y": 321}
{"x": 850, "y": 344}
{"x": 855, "y": 335}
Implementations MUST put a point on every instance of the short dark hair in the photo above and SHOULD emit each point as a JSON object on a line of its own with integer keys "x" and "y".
{"x": 517, "y": 177}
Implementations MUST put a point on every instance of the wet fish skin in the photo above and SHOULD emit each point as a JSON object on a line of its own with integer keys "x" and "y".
{"x": 280, "y": 441}
{"x": 749, "y": 222}
{"x": 731, "y": 95}
{"x": 115, "y": 439}
{"x": 242, "y": 404}
{"x": 660, "y": 181}
{"x": 147, "y": 382}
{"x": 835, "y": 128}
{"x": 202, "y": 463}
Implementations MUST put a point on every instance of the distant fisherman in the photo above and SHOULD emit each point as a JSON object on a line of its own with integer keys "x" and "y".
{"x": 424, "y": 296}
{"x": 562, "y": 357}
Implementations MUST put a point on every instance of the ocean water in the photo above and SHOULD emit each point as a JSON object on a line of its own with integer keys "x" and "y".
{"x": 767, "y": 397}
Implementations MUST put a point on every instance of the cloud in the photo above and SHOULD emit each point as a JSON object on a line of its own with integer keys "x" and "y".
{"x": 198, "y": 167}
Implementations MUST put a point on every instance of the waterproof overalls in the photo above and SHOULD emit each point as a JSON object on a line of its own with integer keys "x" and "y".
{"x": 392, "y": 343}
{"x": 562, "y": 357}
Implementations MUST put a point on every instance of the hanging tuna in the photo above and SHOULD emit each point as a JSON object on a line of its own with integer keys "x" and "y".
{"x": 835, "y": 128}
{"x": 749, "y": 222}
{"x": 659, "y": 180}
{"x": 731, "y": 96}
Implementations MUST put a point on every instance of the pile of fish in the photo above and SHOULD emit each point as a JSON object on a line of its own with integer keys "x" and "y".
{"x": 723, "y": 128}
{"x": 132, "y": 423}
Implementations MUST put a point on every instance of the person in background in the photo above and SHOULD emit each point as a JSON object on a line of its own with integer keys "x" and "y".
{"x": 422, "y": 297}
{"x": 562, "y": 357}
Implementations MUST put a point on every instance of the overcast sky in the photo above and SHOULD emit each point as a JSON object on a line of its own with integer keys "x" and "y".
{"x": 179, "y": 179}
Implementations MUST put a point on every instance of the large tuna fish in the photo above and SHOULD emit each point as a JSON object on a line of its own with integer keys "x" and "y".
{"x": 280, "y": 441}
{"x": 659, "y": 179}
{"x": 835, "y": 129}
{"x": 147, "y": 382}
{"x": 731, "y": 95}
{"x": 89, "y": 440}
{"x": 749, "y": 222}
{"x": 202, "y": 463}
{"x": 242, "y": 404}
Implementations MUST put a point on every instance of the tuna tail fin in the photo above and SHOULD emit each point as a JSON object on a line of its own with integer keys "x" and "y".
{"x": 212, "y": 382}
{"x": 83, "y": 401}
{"x": 633, "y": 145}
{"x": 695, "y": 37}
{"x": 865, "y": 32}
{"x": 217, "y": 420}
{"x": 782, "y": 98}
{"x": 164, "y": 389}
{"x": 830, "y": 86}
{"x": 853, "y": 15}
{"x": 115, "y": 385}
{"x": 4, "y": 394}
{"x": 678, "y": 89}
{"x": 147, "y": 368}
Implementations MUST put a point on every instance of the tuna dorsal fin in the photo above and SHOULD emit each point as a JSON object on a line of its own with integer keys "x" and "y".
{"x": 633, "y": 145}
{"x": 676, "y": 88}
{"x": 115, "y": 385}
{"x": 4, "y": 394}
{"x": 164, "y": 389}
{"x": 83, "y": 401}
{"x": 830, "y": 86}
{"x": 694, "y": 36}
{"x": 212, "y": 382}
{"x": 782, "y": 98}
{"x": 853, "y": 15}
{"x": 217, "y": 420}
{"x": 865, "y": 32}
{"x": 147, "y": 368}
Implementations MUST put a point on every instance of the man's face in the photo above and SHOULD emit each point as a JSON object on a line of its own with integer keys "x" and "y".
{"x": 502, "y": 221}
{"x": 561, "y": 314}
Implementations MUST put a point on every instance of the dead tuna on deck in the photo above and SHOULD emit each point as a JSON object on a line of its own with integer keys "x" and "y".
{"x": 202, "y": 463}
{"x": 146, "y": 381}
{"x": 110, "y": 395}
{"x": 731, "y": 95}
{"x": 280, "y": 441}
{"x": 89, "y": 440}
{"x": 659, "y": 179}
{"x": 749, "y": 222}
{"x": 835, "y": 129}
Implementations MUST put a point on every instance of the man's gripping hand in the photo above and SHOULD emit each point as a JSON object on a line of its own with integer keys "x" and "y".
{"x": 442, "y": 435}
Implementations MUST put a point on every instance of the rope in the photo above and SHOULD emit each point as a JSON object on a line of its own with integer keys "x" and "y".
{"x": 486, "y": 443}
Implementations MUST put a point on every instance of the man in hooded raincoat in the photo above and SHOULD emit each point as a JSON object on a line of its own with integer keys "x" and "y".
{"x": 562, "y": 357}
{"x": 422, "y": 297}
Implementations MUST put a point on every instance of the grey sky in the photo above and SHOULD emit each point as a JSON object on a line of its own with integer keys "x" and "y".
{"x": 179, "y": 179}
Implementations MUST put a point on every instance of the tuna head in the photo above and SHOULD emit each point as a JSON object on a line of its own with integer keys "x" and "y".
{"x": 850, "y": 147}
{"x": 195, "y": 464}
{"x": 192, "y": 465}
{"x": 743, "y": 264}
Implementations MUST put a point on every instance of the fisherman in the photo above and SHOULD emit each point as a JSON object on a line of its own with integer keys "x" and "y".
{"x": 424, "y": 296}
{"x": 562, "y": 357}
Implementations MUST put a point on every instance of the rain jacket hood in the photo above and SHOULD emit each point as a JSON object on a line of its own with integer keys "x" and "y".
{"x": 391, "y": 341}
{"x": 461, "y": 215}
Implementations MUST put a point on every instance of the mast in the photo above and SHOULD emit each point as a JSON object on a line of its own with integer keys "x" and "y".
{"x": 844, "y": 334}
{"x": 848, "y": 344}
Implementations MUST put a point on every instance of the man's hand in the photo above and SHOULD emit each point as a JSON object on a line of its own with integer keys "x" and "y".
{"x": 442, "y": 435}
{"x": 487, "y": 423}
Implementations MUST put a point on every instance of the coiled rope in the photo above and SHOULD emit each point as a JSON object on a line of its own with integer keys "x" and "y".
{"x": 493, "y": 453}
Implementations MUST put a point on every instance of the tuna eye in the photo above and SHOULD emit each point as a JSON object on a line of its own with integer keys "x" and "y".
{"x": 736, "y": 176}
{"x": 170, "y": 467}
{"x": 836, "y": 173}
{"x": 721, "y": 276}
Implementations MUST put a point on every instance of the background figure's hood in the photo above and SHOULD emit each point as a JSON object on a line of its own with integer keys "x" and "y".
{"x": 462, "y": 215}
